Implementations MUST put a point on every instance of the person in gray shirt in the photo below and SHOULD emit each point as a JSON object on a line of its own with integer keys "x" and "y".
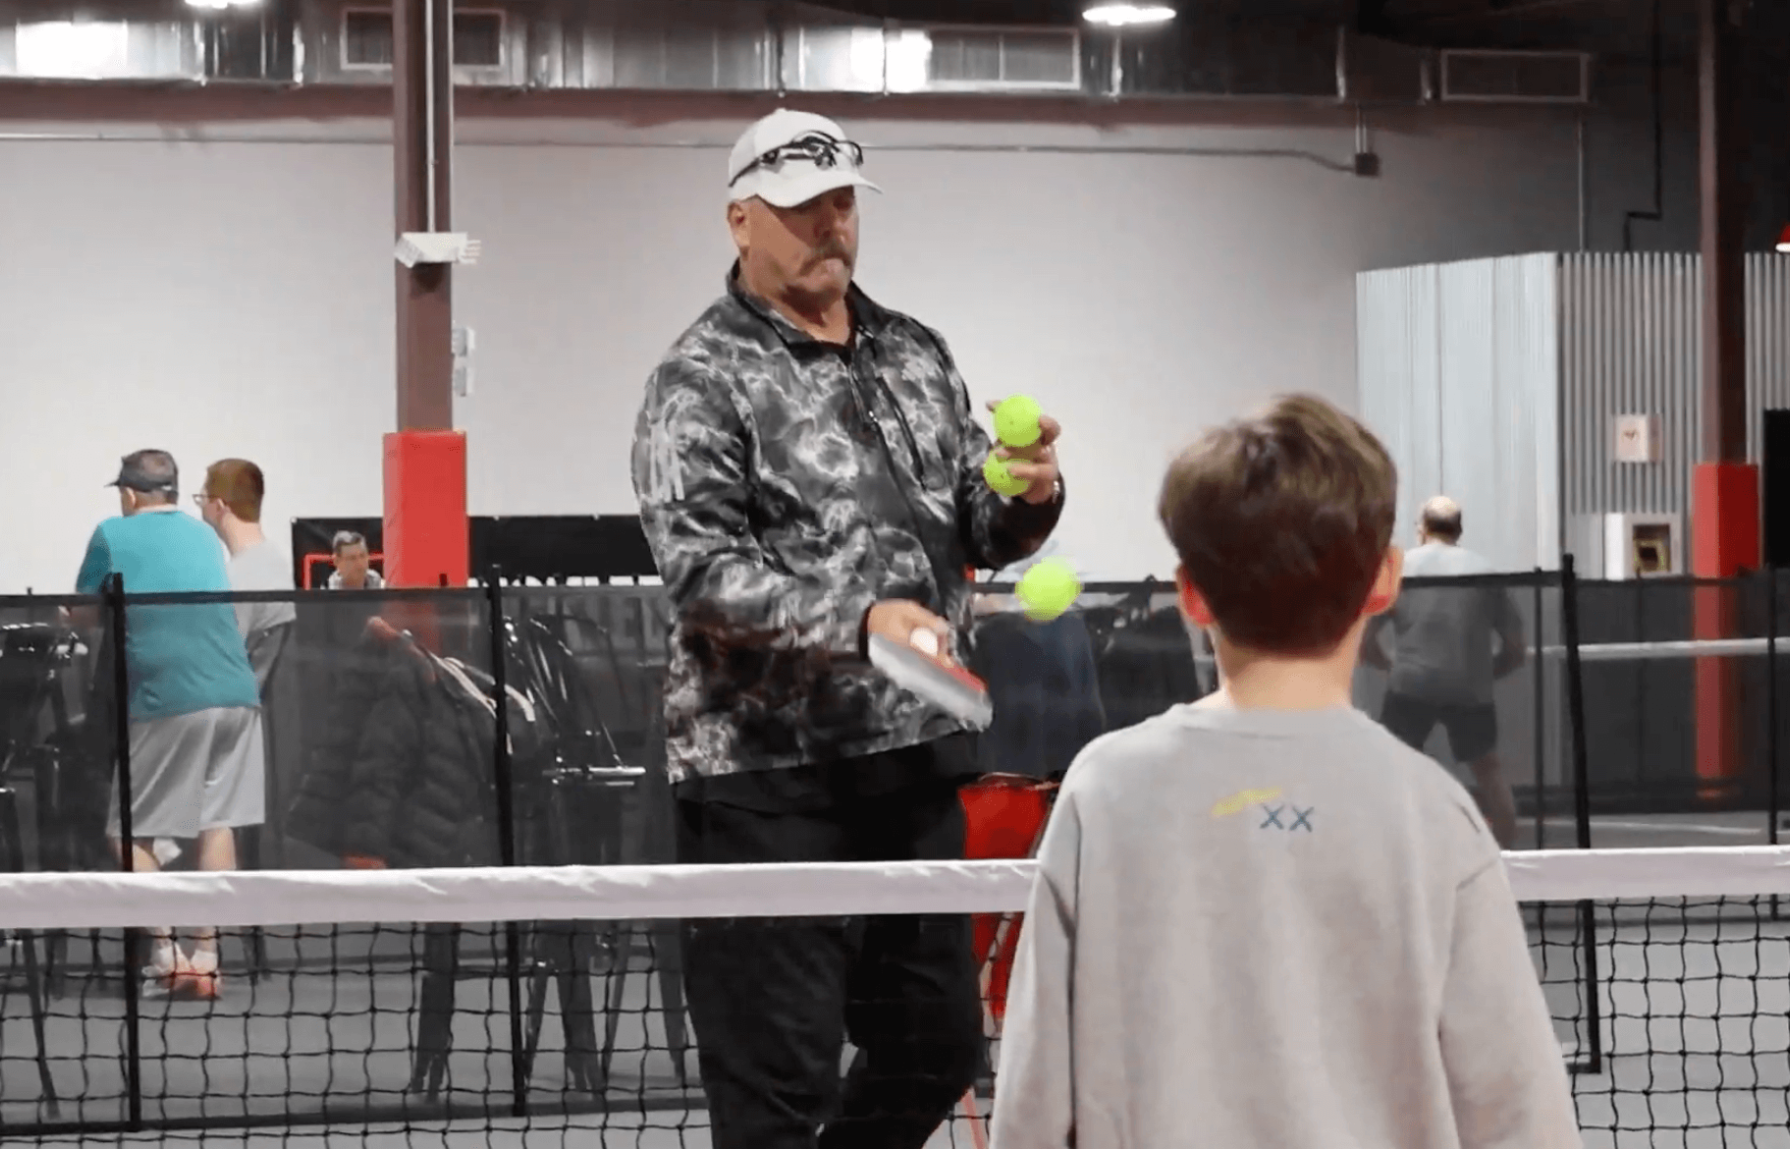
{"x": 1449, "y": 646}
{"x": 230, "y": 503}
{"x": 1259, "y": 919}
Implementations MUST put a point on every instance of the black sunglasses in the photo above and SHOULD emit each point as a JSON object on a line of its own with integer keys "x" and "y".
{"x": 818, "y": 148}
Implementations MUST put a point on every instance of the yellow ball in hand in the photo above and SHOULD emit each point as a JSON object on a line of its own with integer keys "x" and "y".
{"x": 1001, "y": 479}
{"x": 1016, "y": 421}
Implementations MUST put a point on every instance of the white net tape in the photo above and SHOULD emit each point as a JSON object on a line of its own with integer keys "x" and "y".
{"x": 639, "y": 893}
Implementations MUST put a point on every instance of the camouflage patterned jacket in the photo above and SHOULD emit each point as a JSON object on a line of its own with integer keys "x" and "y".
{"x": 785, "y": 485}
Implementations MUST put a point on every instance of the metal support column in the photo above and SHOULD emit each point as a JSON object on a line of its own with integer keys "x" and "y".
{"x": 426, "y": 534}
{"x": 1723, "y": 184}
{"x": 422, "y": 148}
{"x": 1725, "y": 525}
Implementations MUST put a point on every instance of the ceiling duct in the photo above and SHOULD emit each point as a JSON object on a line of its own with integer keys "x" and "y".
{"x": 1516, "y": 77}
{"x": 746, "y": 46}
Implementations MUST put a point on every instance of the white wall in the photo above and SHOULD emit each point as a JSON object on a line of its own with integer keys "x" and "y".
{"x": 217, "y": 296}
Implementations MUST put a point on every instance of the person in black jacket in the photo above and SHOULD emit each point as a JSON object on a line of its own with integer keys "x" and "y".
{"x": 810, "y": 472}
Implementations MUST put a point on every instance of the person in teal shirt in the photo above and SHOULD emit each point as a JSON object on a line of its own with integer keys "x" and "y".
{"x": 197, "y": 764}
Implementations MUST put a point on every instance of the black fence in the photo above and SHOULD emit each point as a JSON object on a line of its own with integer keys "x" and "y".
{"x": 521, "y": 725}
{"x": 1682, "y": 707}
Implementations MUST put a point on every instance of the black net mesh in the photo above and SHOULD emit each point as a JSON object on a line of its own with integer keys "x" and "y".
{"x": 1672, "y": 1013}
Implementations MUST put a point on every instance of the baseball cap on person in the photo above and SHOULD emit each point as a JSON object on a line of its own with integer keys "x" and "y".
{"x": 148, "y": 471}
{"x": 789, "y": 158}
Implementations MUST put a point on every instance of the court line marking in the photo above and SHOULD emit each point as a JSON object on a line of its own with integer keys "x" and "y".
{"x": 1665, "y": 827}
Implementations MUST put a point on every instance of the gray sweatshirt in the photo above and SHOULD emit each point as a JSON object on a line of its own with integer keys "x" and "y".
{"x": 1273, "y": 930}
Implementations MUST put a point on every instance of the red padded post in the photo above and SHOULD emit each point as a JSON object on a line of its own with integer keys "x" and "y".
{"x": 1725, "y": 540}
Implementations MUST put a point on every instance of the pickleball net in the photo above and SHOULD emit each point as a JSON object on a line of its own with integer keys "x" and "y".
{"x": 544, "y": 1006}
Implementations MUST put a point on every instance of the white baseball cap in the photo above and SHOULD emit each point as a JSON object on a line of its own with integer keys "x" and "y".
{"x": 789, "y": 158}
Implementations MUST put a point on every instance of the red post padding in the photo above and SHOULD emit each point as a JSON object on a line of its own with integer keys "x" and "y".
{"x": 427, "y": 539}
{"x": 1005, "y": 816}
{"x": 1725, "y": 540}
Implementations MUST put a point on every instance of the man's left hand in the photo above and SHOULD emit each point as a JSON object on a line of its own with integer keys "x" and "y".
{"x": 1036, "y": 464}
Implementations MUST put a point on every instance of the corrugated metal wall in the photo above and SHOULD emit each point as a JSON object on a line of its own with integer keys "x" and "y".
{"x": 1473, "y": 372}
{"x": 1397, "y": 373}
{"x": 1632, "y": 333}
{"x": 1457, "y": 369}
{"x": 1500, "y": 438}
{"x": 1768, "y": 342}
{"x": 1629, "y": 327}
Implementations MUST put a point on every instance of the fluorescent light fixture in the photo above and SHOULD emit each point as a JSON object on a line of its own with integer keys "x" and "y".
{"x": 1116, "y": 15}
{"x": 66, "y": 50}
{"x": 222, "y": 5}
{"x": 908, "y": 60}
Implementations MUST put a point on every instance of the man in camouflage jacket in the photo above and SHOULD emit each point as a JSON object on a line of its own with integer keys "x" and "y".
{"x": 809, "y": 470}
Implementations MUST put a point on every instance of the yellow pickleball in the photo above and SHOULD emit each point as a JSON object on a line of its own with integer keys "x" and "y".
{"x": 1016, "y": 421}
{"x": 1048, "y": 589}
{"x": 1001, "y": 479}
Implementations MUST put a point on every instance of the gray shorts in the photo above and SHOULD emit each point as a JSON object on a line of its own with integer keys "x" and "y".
{"x": 195, "y": 772}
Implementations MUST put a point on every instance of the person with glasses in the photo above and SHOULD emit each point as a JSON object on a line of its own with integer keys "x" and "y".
{"x": 810, "y": 474}
{"x": 230, "y": 504}
{"x": 196, "y": 751}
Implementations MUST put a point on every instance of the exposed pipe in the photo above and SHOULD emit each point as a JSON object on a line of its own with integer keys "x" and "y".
{"x": 779, "y": 48}
{"x": 1584, "y": 185}
{"x": 1657, "y": 213}
{"x": 430, "y": 159}
{"x": 1316, "y": 158}
{"x": 1503, "y": 12}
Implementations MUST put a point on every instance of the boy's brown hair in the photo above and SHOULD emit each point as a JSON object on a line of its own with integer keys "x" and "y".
{"x": 1282, "y": 522}
{"x": 238, "y": 484}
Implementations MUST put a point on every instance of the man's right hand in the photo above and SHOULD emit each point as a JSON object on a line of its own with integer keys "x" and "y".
{"x": 898, "y": 619}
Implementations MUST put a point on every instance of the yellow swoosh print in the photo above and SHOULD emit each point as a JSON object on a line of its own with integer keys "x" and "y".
{"x": 1243, "y": 800}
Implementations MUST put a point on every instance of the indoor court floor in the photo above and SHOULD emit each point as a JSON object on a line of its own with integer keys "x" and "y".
{"x": 1657, "y": 831}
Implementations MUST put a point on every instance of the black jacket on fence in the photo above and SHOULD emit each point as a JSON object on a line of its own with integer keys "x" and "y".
{"x": 403, "y": 764}
{"x": 1046, "y": 692}
{"x": 1145, "y": 661}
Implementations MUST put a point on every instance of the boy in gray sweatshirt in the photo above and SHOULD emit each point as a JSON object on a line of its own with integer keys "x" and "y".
{"x": 1261, "y": 921}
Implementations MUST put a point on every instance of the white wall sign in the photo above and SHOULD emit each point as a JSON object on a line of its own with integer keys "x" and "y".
{"x": 1637, "y": 439}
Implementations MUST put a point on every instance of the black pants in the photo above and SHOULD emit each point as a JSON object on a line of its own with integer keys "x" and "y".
{"x": 1472, "y": 730}
{"x": 774, "y": 1000}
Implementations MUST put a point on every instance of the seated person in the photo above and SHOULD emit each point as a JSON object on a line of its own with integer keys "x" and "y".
{"x": 354, "y": 564}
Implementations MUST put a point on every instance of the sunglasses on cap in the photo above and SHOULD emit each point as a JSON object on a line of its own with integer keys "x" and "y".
{"x": 817, "y": 148}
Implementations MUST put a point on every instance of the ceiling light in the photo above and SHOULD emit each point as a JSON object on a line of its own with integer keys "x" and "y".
{"x": 1116, "y": 15}
{"x": 66, "y": 50}
{"x": 222, "y": 5}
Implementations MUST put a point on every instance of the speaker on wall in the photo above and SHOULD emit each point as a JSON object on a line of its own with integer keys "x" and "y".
{"x": 1774, "y": 481}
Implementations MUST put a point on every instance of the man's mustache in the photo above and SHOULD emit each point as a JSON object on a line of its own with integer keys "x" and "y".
{"x": 831, "y": 251}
